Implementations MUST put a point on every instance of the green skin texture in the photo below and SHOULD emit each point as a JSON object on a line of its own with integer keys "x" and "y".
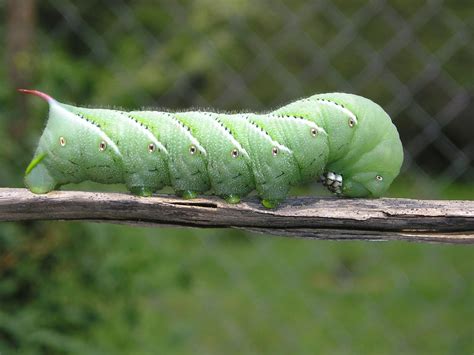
{"x": 228, "y": 154}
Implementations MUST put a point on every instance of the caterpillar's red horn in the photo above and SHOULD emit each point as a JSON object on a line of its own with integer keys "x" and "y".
{"x": 44, "y": 96}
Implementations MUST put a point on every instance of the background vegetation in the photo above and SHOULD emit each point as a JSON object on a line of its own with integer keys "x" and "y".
{"x": 68, "y": 288}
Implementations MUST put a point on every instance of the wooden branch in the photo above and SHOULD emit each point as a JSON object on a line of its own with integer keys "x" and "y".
{"x": 307, "y": 217}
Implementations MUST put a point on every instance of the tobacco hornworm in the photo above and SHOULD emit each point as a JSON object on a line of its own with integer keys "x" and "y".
{"x": 347, "y": 141}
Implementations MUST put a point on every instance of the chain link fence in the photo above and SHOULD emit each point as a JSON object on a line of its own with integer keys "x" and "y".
{"x": 221, "y": 291}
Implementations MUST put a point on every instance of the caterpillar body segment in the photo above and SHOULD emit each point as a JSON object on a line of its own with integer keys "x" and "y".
{"x": 346, "y": 139}
{"x": 69, "y": 149}
{"x": 273, "y": 166}
{"x": 228, "y": 163}
{"x": 310, "y": 152}
{"x": 336, "y": 121}
{"x": 187, "y": 158}
{"x": 141, "y": 157}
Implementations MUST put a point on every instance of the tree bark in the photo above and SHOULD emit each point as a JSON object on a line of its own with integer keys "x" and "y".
{"x": 306, "y": 217}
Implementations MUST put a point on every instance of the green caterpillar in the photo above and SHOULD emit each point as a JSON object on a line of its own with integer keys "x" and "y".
{"x": 345, "y": 140}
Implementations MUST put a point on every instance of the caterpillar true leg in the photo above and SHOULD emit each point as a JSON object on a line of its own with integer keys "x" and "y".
{"x": 332, "y": 181}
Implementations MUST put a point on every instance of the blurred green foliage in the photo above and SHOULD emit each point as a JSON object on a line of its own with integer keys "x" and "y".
{"x": 81, "y": 288}
{"x": 86, "y": 288}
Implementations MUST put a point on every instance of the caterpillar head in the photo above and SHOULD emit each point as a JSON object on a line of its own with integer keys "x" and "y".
{"x": 374, "y": 155}
{"x": 69, "y": 147}
{"x": 374, "y": 171}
